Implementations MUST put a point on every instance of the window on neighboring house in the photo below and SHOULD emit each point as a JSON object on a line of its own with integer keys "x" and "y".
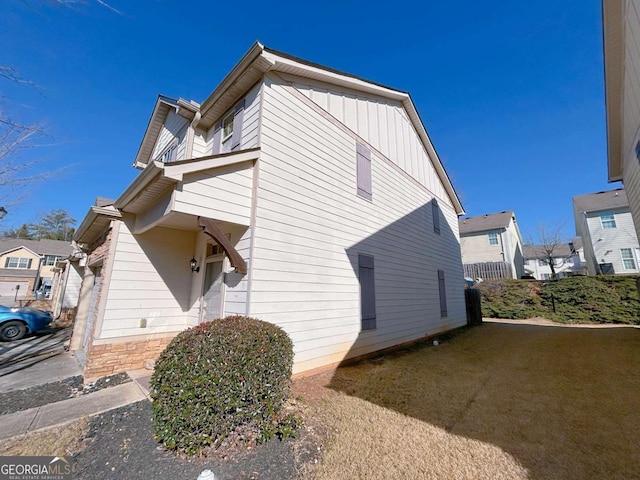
{"x": 435, "y": 210}
{"x": 542, "y": 262}
{"x": 545, "y": 276}
{"x": 17, "y": 262}
{"x": 366, "y": 278}
{"x": 493, "y": 238}
{"x": 608, "y": 220}
{"x": 363, "y": 171}
{"x": 227, "y": 133}
{"x": 443, "y": 293}
{"x": 50, "y": 260}
{"x": 627, "y": 259}
{"x": 526, "y": 261}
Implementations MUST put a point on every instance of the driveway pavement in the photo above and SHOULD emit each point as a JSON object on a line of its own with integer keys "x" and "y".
{"x": 36, "y": 360}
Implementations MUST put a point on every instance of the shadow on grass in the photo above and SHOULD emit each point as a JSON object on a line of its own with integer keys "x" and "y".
{"x": 562, "y": 401}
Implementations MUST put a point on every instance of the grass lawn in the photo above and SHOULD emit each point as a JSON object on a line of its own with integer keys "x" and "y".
{"x": 498, "y": 401}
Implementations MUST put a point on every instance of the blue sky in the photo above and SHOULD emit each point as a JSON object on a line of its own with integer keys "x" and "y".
{"x": 511, "y": 93}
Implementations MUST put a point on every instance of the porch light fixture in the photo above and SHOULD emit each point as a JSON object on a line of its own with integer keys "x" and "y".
{"x": 194, "y": 265}
{"x": 3, "y": 212}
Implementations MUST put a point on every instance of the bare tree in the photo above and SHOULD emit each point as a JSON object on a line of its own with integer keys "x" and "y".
{"x": 549, "y": 245}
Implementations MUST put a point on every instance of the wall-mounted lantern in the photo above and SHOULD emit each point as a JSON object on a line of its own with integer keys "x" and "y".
{"x": 193, "y": 263}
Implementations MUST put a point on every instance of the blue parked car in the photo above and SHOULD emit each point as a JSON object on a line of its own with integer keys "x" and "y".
{"x": 16, "y": 322}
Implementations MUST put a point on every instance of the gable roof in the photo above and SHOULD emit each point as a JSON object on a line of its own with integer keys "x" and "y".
{"x": 596, "y": 202}
{"x": 41, "y": 247}
{"x": 538, "y": 251}
{"x": 482, "y": 223}
{"x": 252, "y": 67}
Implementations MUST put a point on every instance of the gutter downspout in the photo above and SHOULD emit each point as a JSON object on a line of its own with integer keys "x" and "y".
{"x": 191, "y": 134}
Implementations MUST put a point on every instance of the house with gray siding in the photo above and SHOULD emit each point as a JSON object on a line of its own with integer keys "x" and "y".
{"x": 621, "y": 32}
{"x": 604, "y": 222}
{"x": 294, "y": 193}
{"x": 491, "y": 245}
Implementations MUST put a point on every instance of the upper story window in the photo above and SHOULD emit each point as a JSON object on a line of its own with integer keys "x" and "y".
{"x": 627, "y": 259}
{"x": 542, "y": 262}
{"x": 17, "y": 262}
{"x": 608, "y": 220}
{"x": 526, "y": 261}
{"x": 50, "y": 260}
{"x": 493, "y": 238}
{"x": 227, "y": 133}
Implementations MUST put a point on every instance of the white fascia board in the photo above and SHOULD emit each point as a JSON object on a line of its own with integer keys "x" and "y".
{"x": 141, "y": 181}
{"x": 18, "y": 248}
{"x": 90, "y": 218}
{"x": 177, "y": 171}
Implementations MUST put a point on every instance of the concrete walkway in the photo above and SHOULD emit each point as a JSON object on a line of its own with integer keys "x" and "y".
{"x": 66, "y": 411}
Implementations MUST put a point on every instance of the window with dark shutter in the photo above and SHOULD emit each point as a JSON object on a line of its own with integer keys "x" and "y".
{"x": 237, "y": 125}
{"x": 363, "y": 171}
{"x": 443, "y": 293}
{"x": 217, "y": 138}
{"x": 435, "y": 210}
{"x": 367, "y": 292}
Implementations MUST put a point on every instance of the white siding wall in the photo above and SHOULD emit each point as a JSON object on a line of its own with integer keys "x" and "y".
{"x": 383, "y": 123}
{"x": 476, "y": 248}
{"x": 631, "y": 135}
{"x": 607, "y": 242}
{"x": 311, "y": 226}
{"x": 223, "y": 193}
{"x": 150, "y": 279}
{"x": 203, "y": 142}
{"x": 72, "y": 289}
{"x": 174, "y": 126}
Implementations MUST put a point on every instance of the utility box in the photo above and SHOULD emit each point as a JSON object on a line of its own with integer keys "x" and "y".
{"x": 474, "y": 306}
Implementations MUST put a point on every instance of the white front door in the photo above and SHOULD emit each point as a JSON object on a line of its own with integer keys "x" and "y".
{"x": 212, "y": 291}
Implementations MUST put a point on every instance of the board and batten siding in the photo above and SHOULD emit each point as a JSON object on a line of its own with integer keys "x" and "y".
{"x": 607, "y": 242}
{"x": 381, "y": 122}
{"x": 222, "y": 193}
{"x": 311, "y": 226}
{"x": 203, "y": 140}
{"x": 174, "y": 129}
{"x": 631, "y": 102}
{"x": 150, "y": 279}
{"x": 72, "y": 288}
{"x": 236, "y": 285}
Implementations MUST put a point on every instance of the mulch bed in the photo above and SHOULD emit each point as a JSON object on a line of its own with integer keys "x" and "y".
{"x": 19, "y": 400}
{"x": 120, "y": 444}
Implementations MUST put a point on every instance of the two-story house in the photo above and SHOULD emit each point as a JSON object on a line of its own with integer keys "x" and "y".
{"x": 491, "y": 246}
{"x": 565, "y": 258}
{"x": 294, "y": 193}
{"x": 621, "y": 31}
{"x": 604, "y": 222}
{"x": 28, "y": 265}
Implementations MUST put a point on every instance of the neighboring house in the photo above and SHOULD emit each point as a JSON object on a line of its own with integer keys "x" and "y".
{"x": 621, "y": 27}
{"x": 566, "y": 261}
{"x": 491, "y": 246}
{"x": 296, "y": 194}
{"x": 28, "y": 265}
{"x": 604, "y": 222}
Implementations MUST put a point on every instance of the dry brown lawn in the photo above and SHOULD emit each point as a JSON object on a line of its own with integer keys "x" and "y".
{"x": 498, "y": 401}
{"x": 60, "y": 441}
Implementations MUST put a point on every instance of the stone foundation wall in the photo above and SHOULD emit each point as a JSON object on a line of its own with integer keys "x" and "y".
{"x": 111, "y": 358}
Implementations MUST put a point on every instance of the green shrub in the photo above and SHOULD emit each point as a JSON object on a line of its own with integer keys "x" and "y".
{"x": 601, "y": 299}
{"x": 218, "y": 376}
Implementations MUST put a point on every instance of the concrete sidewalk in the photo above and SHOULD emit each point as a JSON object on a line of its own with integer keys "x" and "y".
{"x": 60, "y": 413}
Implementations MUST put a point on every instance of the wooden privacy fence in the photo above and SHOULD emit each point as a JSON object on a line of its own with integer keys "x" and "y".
{"x": 487, "y": 270}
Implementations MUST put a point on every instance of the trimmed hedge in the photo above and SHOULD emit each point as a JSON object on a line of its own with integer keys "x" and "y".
{"x": 218, "y": 376}
{"x": 601, "y": 299}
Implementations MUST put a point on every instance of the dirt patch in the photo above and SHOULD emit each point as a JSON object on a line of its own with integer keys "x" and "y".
{"x": 59, "y": 441}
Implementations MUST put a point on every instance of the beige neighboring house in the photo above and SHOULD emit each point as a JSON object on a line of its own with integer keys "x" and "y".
{"x": 621, "y": 26}
{"x": 491, "y": 246}
{"x": 603, "y": 221}
{"x": 29, "y": 265}
{"x": 294, "y": 193}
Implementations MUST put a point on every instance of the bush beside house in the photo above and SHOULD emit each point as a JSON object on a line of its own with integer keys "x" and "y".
{"x": 601, "y": 299}
{"x": 219, "y": 376}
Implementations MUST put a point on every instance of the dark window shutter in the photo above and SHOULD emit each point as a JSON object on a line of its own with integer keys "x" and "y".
{"x": 236, "y": 137}
{"x": 435, "y": 208}
{"x": 29, "y": 264}
{"x": 217, "y": 134}
{"x": 363, "y": 167}
{"x": 443, "y": 294}
{"x": 367, "y": 292}
{"x": 6, "y": 262}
